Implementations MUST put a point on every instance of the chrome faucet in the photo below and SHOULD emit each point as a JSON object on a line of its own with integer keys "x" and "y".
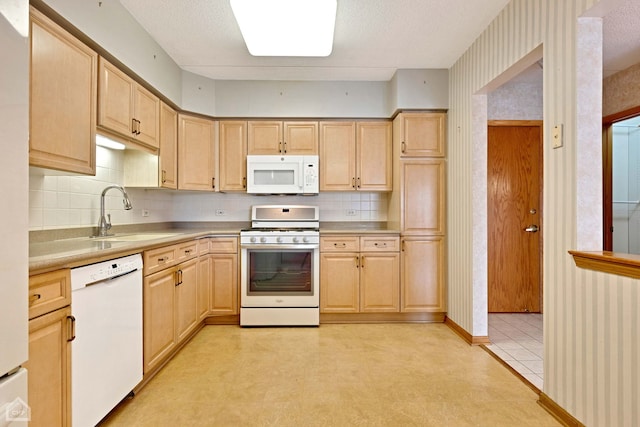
{"x": 105, "y": 222}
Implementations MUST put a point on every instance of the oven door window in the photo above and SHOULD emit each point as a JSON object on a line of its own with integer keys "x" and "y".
{"x": 280, "y": 272}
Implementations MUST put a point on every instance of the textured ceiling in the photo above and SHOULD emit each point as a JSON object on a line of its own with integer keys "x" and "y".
{"x": 373, "y": 38}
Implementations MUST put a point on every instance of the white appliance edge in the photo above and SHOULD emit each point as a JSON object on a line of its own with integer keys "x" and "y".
{"x": 14, "y": 215}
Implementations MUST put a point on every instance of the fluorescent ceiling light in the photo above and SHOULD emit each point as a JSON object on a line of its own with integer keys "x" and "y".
{"x": 103, "y": 141}
{"x": 286, "y": 27}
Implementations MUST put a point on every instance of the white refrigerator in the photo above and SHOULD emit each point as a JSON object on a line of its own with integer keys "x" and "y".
{"x": 14, "y": 211}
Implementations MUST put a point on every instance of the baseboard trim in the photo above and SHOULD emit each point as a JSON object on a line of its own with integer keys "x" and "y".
{"x": 558, "y": 412}
{"x": 470, "y": 339}
{"x": 326, "y": 318}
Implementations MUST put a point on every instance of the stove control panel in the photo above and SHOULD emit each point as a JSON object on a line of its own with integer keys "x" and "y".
{"x": 279, "y": 238}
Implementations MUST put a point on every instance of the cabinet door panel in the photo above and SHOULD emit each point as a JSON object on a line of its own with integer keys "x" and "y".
{"x": 300, "y": 138}
{"x": 423, "y": 134}
{"x": 380, "y": 282}
{"x": 423, "y": 287}
{"x": 147, "y": 112}
{"x": 116, "y": 102}
{"x": 264, "y": 137}
{"x": 423, "y": 196}
{"x": 196, "y": 170}
{"x": 63, "y": 99}
{"x": 339, "y": 283}
{"x": 224, "y": 284}
{"x": 233, "y": 155}
{"x": 168, "y": 160}
{"x": 159, "y": 324}
{"x": 49, "y": 369}
{"x": 337, "y": 156}
{"x": 186, "y": 299}
{"x": 374, "y": 148}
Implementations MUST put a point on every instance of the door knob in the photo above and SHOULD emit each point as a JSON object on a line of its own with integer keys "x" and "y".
{"x": 532, "y": 228}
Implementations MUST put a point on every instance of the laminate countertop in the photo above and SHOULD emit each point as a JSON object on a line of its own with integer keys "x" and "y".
{"x": 54, "y": 249}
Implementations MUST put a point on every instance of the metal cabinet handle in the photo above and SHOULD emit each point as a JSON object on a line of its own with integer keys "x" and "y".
{"x": 133, "y": 126}
{"x": 33, "y": 298}
{"x": 285, "y": 147}
{"x": 342, "y": 245}
{"x": 179, "y": 277}
{"x": 381, "y": 245}
{"x": 164, "y": 176}
{"x": 244, "y": 182}
{"x": 163, "y": 259}
{"x": 402, "y": 245}
{"x": 403, "y": 146}
{"x": 187, "y": 251}
{"x": 280, "y": 147}
{"x": 213, "y": 182}
{"x": 353, "y": 182}
{"x": 357, "y": 262}
{"x": 532, "y": 229}
{"x": 138, "y": 132}
{"x": 358, "y": 182}
{"x": 71, "y": 327}
{"x": 362, "y": 262}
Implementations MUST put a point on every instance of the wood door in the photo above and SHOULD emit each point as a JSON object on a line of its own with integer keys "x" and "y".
{"x": 224, "y": 284}
{"x": 337, "y": 156}
{"x": 115, "y": 98}
{"x": 374, "y": 167}
{"x": 422, "y": 184}
{"x": 339, "y": 282}
{"x": 196, "y": 169}
{"x": 63, "y": 99}
{"x": 168, "y": 160}
{"x": 186, "y": 299}
{"x": 50, "y": 369}
{"x": 422, "y": 134}
{"x": 514, "y": 178}
{"x": 300, "y": 138}
{"x": 159, "y": 317}
{"x": 380, "y": 282}
{"x": 422, "y": 274}
{"x": 233, "y": 155}
{"x": 147, "y": 113}
{"x": 264, "y": 137}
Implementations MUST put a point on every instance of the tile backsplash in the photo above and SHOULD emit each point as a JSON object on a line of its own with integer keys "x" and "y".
{"x": 62, "y": 201}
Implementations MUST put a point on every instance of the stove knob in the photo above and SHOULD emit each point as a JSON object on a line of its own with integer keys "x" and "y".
{"x": 263, "y": 240}
{"x": 305, "y": 239}
{"x": 296, "y": 240}
{"x": 253, "y": 239}
{"x": 279, "y": 239}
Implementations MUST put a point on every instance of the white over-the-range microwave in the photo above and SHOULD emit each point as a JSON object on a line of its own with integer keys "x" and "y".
{"x": 283, "y": 174}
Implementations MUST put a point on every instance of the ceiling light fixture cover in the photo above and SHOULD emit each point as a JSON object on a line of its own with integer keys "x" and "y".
{"x": 286, "y": 27}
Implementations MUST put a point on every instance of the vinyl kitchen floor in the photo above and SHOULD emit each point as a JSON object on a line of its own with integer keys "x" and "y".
{"x": 334, "y": 375}
{"x": 516, "y": 338}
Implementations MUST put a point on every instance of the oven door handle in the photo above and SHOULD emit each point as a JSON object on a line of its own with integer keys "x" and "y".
{"x": 279, "y": 246}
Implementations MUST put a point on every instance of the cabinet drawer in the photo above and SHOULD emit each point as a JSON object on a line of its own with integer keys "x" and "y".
{"x": 203, "y": 246}
{"x": 159, "y": 259}
{"x": 380, "y": 244}
{"x": 339, "y": 244}
{"x": 223, "y": 245}
{"x": 186, "y": 251}
{"x": 49, "y": 292}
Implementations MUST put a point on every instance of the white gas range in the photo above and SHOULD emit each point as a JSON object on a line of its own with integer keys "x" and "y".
{"x": 280, "y": 263}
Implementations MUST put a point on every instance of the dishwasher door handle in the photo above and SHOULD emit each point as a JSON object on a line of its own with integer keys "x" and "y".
{"x": 110, "y": 278}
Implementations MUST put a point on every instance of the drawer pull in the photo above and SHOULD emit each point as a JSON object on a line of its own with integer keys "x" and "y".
{"x": 381, "y": 245}
{"x": 35, "y": 297}
{"x": 163, "y": 259}
{"x": 340, "y": 245}
{"x": 187, "y": 251}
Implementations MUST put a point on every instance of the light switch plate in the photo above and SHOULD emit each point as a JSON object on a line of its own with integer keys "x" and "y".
{"x": 556, "y": 136}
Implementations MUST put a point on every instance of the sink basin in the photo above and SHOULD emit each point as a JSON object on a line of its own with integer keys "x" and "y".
{"x": 135, "y": 237}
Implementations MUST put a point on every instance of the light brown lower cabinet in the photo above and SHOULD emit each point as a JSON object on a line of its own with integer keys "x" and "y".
{"x": 423, "y": 288}
{"x": 170, "y": 307}
{"x": 218, "y": 271}
{"x": 49, "y": 368}
{"x": 352, "y": 281}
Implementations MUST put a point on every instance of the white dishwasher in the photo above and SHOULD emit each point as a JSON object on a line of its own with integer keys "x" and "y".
{"x": 106, "y": 355}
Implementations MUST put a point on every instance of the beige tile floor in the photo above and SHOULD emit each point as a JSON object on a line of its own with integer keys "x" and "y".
{"x": 516, "y": 338}
{"x": 334, "y": 375}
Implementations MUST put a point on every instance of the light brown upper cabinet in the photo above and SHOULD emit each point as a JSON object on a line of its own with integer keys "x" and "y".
{"x": 63, "y": 97}
{"x": 355, "y": 156}
{"x": 421, "y": 134}
{"x": 422, "y": 184}
{"x": 168, "y": 159}
{"x": 196, "y": 152}
{"x": 126, "y": 109}
{"x": 271, "y": 137}
{"x": 233, "y": 155}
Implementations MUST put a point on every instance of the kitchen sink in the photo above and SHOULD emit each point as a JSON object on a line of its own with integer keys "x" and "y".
{"x": 135, "y": 237}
